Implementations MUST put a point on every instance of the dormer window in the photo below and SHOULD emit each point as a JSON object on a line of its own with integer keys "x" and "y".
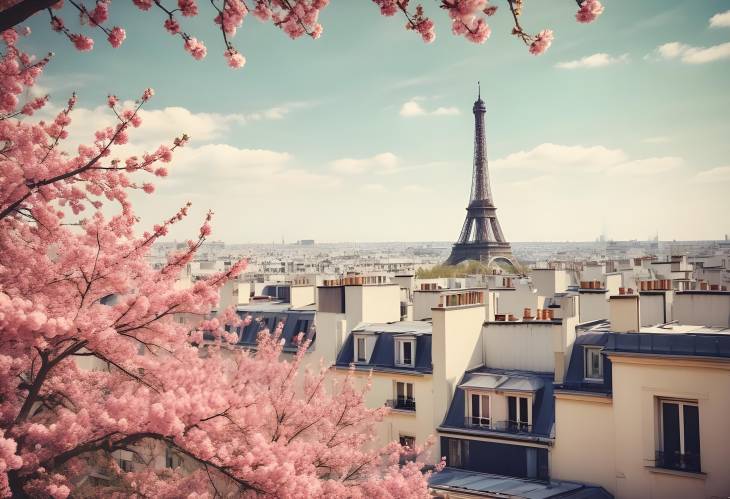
{"x": 361, "y": 354}
{"x": 405, "y": 352}
{"x": 593, "y": 364}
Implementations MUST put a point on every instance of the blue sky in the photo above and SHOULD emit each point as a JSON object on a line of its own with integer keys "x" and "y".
{"x": 311, "y": 139}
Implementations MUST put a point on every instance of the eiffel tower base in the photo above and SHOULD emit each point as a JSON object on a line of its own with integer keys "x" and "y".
{"x": 486, "y": 253}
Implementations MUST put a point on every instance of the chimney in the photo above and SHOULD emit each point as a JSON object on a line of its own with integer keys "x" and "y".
{"x": 624, "y": 313}
{"x": 456, "y": 337}
{"x": 527, "y": 314}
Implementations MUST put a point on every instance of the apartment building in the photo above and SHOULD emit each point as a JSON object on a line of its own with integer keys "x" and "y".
{"x": 644, "y": 414}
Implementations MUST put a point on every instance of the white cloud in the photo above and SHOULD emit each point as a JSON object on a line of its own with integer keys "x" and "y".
{"x": 551, "y": 156}
{"x": 693, "y": 55}
{"x": 645, "y": 167}
{"x": 382, "y": 163}
{"x": 557, "y": 159}
{"x": 160, "y": 126}
{"x": 720, "y": 20}
{"x": 713, "y": 175}
{"x": 593, "y": 61}
{"x": 413, "y": 108}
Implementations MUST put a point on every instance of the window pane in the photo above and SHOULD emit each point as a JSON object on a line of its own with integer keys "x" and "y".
{"x": 670, "y": 433}
{"x": 691, "y": 430}
{"x": 361, "y": 349}
{"x": 475, "y": 405}
{"x": 409, "y": 390}
{"x": 485, "y": 406}
{"x": 407, "y": 358}
{"x": 400, "y": 389}
{"x": 523, "y": 410}
{"x": 512, "y": 408}
{"x": 454, "y": 452}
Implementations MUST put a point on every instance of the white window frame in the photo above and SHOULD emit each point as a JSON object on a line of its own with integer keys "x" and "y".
{"x": 587, "y": 353}
{"x": 399, "y": 351}
{"x": 470, "y": 408}
{"x": 681, "y": 404}
{"x": 358, "y": 359}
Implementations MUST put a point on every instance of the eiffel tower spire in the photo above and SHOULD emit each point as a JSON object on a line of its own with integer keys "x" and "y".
{"x": 481, "y": 236}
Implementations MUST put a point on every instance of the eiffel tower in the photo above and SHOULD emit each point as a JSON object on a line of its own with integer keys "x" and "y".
{"x": 481, "y": 237}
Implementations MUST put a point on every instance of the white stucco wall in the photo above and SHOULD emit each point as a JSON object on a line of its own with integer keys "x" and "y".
{"x": 593, "y": 306}
{"x": 705, "y": 309}
{"x": 423, "y": 302}
{"x": 520, "y": 345}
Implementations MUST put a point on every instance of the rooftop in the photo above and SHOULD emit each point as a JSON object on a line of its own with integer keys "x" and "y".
{"x": 382, "y": 358}
{"x": 458, "y": 480}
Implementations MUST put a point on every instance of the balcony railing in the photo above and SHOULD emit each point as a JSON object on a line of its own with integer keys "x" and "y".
{"x": 677, "y": 461}
{"x": 402, "y": 404}
{"x": 503, "y": 426}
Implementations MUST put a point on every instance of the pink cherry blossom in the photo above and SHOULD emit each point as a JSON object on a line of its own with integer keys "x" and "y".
{"x": 172, "y": 26}
{"x": 589, "y": 11}
{"x": 297, "y": 18}
{"x": 188, "y": 8}
{"x": 195, "y": 48}
{"x": 81, "y": 42}
{"x": 76, "y": 285}
{"x": 117, "y": 36}
{"x": 235, "y": 60}
{"x": 542, "y": 42}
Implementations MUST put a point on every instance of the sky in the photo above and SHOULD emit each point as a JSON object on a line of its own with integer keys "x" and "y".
{"x": 622, "y": 128}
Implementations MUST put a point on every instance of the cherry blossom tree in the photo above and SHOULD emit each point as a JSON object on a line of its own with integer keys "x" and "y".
{"x": 76, "y": 289}
{"x": 296, "y": 18}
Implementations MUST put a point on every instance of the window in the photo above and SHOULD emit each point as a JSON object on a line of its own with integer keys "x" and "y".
{"x": 360, "y": 349}
{"x": 404, "y": 399}
{"x": 172, "y": 460}
{"x": 407, "y": 441}
{"x": 458, "y": 455}
{"x": 405, "y": 352}
{"x": 518, "y": 413}
{"x": 593, "y": 364}
{"x": 680, "y": 435}
{"x": 480, "y": 409}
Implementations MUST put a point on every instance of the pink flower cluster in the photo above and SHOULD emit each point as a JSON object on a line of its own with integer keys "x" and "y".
{"x": 195, "y": 48}
{"x": 389, "y": 7}
{"x": 188, "y": 8}
{"x": 231, "y": 17}
{"x": 117, "y": 36}
{"x": 467, "y": 18}
{"x": 298, "y": 18}
{"x": 542, "y": 42}
{"x": 589, "y": 11}
{"x": 81, "y": 42}
{"x": 235, "y": 60}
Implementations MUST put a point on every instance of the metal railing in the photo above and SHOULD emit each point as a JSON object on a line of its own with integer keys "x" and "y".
{"x": 677, "y": 461}
{"x": 503, "y": 426}
{"x": 402, "y": 403}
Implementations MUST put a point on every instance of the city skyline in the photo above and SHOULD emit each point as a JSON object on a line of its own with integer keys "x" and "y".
{"x": 642, "y": 112}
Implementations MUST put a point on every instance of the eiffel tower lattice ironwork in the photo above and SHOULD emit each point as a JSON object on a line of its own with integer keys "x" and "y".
{"x": 481, "y": 236}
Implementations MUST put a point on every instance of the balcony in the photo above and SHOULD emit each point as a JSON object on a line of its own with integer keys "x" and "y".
{"x": 515, "y": 427}
{"x": 677, "y": 461}
{"x": 402, "y": 404}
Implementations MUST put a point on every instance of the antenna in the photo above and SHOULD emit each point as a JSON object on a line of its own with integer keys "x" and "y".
{"x": 479, "y": 90}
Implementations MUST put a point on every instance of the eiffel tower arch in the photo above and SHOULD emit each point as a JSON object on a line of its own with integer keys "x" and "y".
{"x": 481, "y": 236}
